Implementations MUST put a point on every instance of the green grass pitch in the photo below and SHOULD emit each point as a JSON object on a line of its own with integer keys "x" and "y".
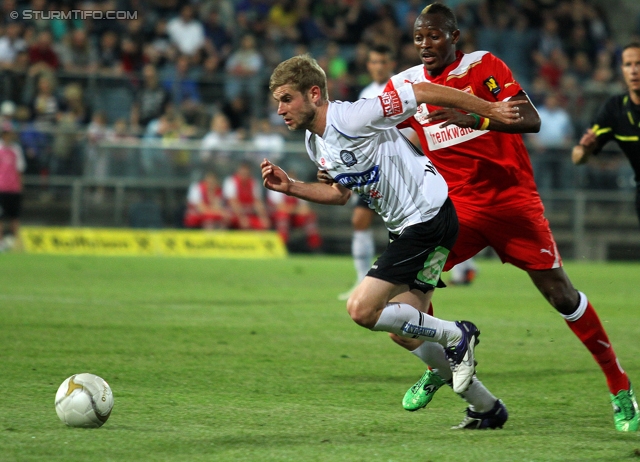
{"x": 256, "y": 360}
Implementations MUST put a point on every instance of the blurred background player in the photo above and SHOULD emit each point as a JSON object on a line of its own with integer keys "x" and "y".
{"x": 243, "y": 194}
{"x": 288, "y": 212}
{"x": 205, "y": 204}
{"x": 380, "y": 65}
{"x": 12, "y": 164}
{"x": 618, "y": 120}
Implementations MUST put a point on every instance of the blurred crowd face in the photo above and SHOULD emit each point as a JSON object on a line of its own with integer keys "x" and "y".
{"x": 380, "y": 66}
{"x": 631, "y": 68}
{"x": 434, "y": 43}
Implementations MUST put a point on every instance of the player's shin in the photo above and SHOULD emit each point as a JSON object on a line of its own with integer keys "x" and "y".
{"x": 404, "y": 320}
{"x": 586, "y": 325}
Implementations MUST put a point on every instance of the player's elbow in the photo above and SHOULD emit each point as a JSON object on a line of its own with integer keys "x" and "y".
{"x": 531, "y": 123}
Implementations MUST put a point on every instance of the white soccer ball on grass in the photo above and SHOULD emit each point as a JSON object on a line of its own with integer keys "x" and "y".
{"x": 84, "y": 400}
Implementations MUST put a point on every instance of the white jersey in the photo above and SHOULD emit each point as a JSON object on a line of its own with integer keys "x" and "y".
{"x": 362, "y": 150}
{"x": 372, "y": 90}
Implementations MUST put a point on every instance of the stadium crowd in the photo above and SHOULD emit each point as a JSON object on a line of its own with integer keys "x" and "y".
{"x": 184, "y": 71}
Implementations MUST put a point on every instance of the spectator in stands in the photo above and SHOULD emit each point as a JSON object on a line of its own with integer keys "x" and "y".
{"x": 11, "y": 43}
{"x": 282, "y": 20}
{"x": 74, "y": 104}
{"x": 12, "y": 164}
{"x": 243, "y": 194}
{"x": 78, "y": 54}
{"x": 42, "y": 56}
{"x": 218, "y": 35}
{"x": 329, "y": 16}
{"x": 552, "y": 68}
{"x": 217, "y": 139}
{"x": 549, "y": 144}
{"x": 236, "y": 111}
{"x": 109, "y": 54}
{"x": 209, "y": 87}
{"x": 64, "y": 23}
{"x": 186, "y": 32}
{"x": 289, "y": 212}
{"x": 15, "y": 84}
{"x": 268, "y": 139}
{"x": 160, "y": 42}
{"x": 151, "y": 100}
{"x": 45, "y": 105}
{"x": 205, "y": 204}
{"x": 131, "y": 55}
{"x": 243, "y": 73}
{"x": 173, "y": 128}
{"x": 180, "y": 81}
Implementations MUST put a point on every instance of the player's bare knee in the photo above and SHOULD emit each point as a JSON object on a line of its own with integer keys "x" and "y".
{"x": 362, "y": 314}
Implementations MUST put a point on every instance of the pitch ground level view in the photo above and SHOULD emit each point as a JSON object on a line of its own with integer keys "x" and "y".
{"x": 257, "y": 360}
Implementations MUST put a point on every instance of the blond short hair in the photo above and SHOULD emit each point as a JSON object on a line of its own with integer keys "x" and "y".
{"x": 300, "y": 72}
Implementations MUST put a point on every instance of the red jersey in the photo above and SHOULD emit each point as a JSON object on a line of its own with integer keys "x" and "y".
{"x": 481, "y": 167}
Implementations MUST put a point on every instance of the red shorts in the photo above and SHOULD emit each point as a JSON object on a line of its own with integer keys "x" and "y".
{"x": 197, "y": 220}
{"x": 519, "y": 235}
{"x": 254, "y": 223}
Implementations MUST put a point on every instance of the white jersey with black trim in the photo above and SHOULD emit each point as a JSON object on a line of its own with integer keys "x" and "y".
{"x": 362, "y": 150}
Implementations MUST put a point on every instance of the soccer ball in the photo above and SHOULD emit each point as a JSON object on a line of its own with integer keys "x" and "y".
{"x": 84, "y": 400}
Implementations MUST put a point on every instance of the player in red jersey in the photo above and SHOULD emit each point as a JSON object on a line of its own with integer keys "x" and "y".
{"x": 289, "y": 212}
{"x": 205, "y": 204}
{"x": 491, "y": 183}
{"x": 244, "y": 197}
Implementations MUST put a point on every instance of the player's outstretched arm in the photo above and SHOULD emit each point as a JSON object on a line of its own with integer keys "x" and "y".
{"x": 507, "y": 112}
{"x": 529, "y": 122}
{"x": 277, "y": 179}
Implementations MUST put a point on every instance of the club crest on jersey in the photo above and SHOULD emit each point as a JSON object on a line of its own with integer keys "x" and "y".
{"x": 492, "y": 85}
{"x": 348, "y": 158}
{"x": 353, "y": 180}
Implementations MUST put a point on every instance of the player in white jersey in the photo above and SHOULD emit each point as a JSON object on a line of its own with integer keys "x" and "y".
{"x": 359, "y": 146}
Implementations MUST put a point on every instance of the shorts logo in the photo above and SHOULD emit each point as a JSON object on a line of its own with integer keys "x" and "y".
{"x": 492, "y": 85}
{"x": 323, "y": 162}
{"x": 375, "y": 194}
{"x": 433, "y": 266}
{"x": 391, "y": 104}
{"x": 353, "y": 180}
{"x": 348, "y": 158}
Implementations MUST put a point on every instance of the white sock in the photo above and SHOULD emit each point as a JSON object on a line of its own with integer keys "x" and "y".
{"x": 362, "y": 250}
{"x": 480, "y": 399}
{"x": 432, "y": 354}
{"x": 404, "y": 320}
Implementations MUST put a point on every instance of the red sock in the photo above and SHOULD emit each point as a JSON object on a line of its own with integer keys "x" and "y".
{"x": 589, "y": 330}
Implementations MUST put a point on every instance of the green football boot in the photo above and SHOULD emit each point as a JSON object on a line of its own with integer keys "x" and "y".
{"x": 625, "y": 410}
{"x": 421, "y": 394}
